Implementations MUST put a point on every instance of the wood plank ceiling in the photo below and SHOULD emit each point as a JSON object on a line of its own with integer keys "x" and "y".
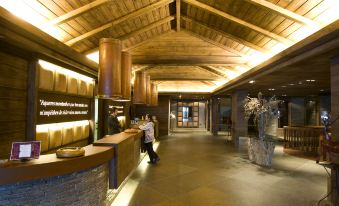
{"x": 186, "y": 43}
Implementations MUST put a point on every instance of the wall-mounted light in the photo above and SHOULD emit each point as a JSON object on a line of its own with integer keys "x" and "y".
{"x": 53, "y": 67}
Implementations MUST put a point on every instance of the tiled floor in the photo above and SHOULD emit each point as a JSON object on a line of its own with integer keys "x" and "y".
{"x": 200, "y": 169}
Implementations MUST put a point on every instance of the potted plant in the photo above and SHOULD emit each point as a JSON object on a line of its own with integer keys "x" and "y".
{"x": 260, "y": 150}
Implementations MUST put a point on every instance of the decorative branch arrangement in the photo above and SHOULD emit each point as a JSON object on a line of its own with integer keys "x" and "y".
{"x": 326, "y": 120}
{"x": 263, "y": 110}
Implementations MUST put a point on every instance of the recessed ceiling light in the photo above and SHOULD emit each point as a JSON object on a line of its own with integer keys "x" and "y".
{"x": 251, "y": 82}
{"x": 310, "y": 80}
{"x": 322, "y": 90}
{"x": 271, "y": 89}
{"x": 284, "y": 86}
{"x": 291, "y": 84}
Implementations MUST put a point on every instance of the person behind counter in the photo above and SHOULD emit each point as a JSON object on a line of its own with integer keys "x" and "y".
{"x": 148, "y": 127}
{"x": 113, "y": 122}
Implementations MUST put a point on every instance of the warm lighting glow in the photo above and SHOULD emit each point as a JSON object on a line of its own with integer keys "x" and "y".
{"x": 59, "y": 126}
{"x": 251, "y": 82}
{"x": 278, "y": 48}
{"x": 28, "y": 11}
{"x": 184, "y": 87}
{"x": 331, "y": 14}
{"x": 94, "y": 56}
{"x": 220, "y": 82}
{"x": 42, "y": 128}
{"x": 53, "y": 67}
{"x": 33, "y": 12}
{"x": 257, "y": 58}
{"x": 127, "y": 189}
{"x": 132, "y": 78}
{"x": 231, "y": 74}
{"x": 121, "y": 118}
{"x": 302, "y": 33}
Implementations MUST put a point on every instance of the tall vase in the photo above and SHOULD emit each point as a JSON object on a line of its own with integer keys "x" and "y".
{"x": 260, "y": 150}
{"x": 261, "y": 126}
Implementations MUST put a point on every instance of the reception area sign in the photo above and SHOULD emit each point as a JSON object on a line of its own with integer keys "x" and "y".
{"x": 54, "y": 108}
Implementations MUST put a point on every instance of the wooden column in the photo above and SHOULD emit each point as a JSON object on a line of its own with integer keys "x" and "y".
{"x": 32, "y": 93}
{"x": 215, "y": 116}
{"x": 154, "y": 94}
{"x": 148, "y": 90}
{"x": 334, "y": 180}
{"x": 335, "y": 96}
{"x": 139, "y": 94}
{"x": 239, "y": 123}
{"x": 109, "y": 68}
{"x": 126, "y": 72}
{"x": 296, "y": 111}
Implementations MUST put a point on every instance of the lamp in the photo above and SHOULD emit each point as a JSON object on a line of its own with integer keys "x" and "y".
{"x": 126, "y": 72}
{"x": 154, "y": 95}
{"x": 109, "y": 77}
{"x": 139, "y": 94}
{"x": 148, "y": 90}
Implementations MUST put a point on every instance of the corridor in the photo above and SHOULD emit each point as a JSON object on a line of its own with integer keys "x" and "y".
{"x": 200, "y": 169}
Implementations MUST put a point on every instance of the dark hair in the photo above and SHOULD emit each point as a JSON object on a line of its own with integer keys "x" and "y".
{"x": 150, "y": 117}
{"x": 114, "y": 109}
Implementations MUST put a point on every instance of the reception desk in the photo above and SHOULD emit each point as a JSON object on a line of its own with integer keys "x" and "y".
{"x": 82, "y": 180}
{"x": 126, "y": 154}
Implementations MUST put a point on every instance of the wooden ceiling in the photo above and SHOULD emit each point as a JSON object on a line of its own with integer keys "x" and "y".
{"x": 185, "y": 42}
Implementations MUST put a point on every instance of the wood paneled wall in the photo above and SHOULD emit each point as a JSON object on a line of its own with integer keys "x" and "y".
{"x": 13, "y": 101}
{"x": 161, "y": 112}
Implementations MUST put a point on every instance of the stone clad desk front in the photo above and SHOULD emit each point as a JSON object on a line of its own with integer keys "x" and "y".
{"x": 53, "y": 181}
{"x": 65, "y": 181}
{"x": 49, "y": 165}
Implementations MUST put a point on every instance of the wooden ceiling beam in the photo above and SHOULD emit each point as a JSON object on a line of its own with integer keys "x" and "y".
{"x": 214, "y": 71}
{"x": 178, "y": 13}
{"x": 240, "y": 21}
{"x": 146, "y": 28}
{"x": 285, "y": 12}
{"x": 143, "y": 68}
{"x": 185, "y": 60}
{"x": 197, "y": 64}
{"x": 132, "y": 15}
{"x": 77, "y": 12}
{"x": 130, "y": 47}
{"x": 209, "y": 83}
{"x": 227, "y": 35}
{"x": 169, "y": 79}
{"x": 144, "y": 42}
{"x": 215, "y": 43}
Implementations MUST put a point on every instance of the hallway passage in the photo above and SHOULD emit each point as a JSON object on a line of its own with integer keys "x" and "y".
{"x": 200, "y": 169}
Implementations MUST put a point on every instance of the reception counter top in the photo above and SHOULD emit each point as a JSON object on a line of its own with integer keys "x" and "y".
{"x": 115, "y": 139}
{"x": 49, "y": 165}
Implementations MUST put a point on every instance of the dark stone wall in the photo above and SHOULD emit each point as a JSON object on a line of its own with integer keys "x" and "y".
{"x": 80, "y": 188}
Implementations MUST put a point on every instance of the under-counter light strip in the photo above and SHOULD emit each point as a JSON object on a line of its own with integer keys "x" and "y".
{"x": 53, "y": 67}
{"x": 45, "y": 127}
